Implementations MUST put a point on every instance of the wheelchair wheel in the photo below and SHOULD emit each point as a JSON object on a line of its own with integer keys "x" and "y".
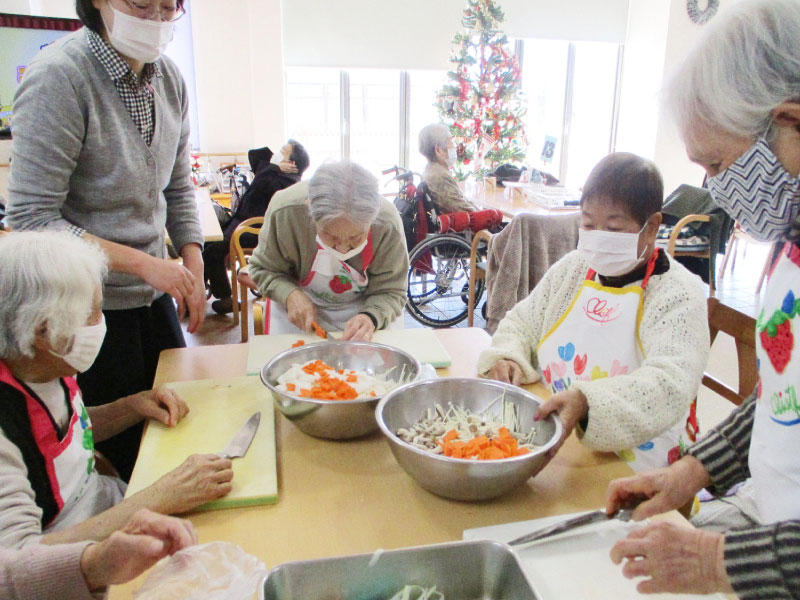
{"x": 438, "y": 280}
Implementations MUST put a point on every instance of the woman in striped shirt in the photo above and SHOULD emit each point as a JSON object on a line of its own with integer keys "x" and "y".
{"x": 737, "y": 103}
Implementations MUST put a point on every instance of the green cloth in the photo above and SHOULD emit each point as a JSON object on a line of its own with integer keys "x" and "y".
{"x": 287, "y": 246}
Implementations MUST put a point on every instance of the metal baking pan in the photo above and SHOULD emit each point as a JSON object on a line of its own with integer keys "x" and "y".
{"x": 472, "y": 570}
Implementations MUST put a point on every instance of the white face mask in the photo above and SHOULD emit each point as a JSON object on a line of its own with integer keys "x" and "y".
{"x": 452, "y": 155}
{"x": 85, "y": 346}
{"x": 139, "y": 39}
{"x": 610, "y": 253}
{"x": 342, "y": 256}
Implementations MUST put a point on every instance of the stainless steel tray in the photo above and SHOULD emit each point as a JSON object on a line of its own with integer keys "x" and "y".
{"x": 473, "y": 570}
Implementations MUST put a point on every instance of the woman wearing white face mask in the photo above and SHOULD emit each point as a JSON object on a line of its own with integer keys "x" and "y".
{"x": 436, "y": 145}
{"x": 101, "y": 149}
{"x": 332, "y": 252}
{"x": 51, "y": 327}
{"x": 736, "y": 100}
{"x": 616, "y": 329}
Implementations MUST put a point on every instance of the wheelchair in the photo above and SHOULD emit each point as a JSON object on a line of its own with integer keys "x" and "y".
{"x": 438, "y": 253}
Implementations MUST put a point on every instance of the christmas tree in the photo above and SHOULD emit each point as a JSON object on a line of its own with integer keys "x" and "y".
{"x": 481, "y": 101}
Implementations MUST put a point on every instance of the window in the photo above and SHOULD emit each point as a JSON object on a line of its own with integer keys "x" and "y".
{"x": 423, "y": 87}
{"x": 375, "y": 118}
{"x": 571, "y": 89}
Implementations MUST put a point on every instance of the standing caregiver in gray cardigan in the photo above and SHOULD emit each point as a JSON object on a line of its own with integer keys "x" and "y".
{"x": 101, "y": 148}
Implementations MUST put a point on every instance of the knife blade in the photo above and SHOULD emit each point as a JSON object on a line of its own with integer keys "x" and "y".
{"x": 595, "y": 516}
{"x": 241, "y": 440}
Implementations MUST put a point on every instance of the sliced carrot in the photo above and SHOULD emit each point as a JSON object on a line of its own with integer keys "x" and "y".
{"x": 298, "y": 343}
{"x": 450, "y": 436}
{"x": 291, "y": 387}
{"x": 319, "y": 331}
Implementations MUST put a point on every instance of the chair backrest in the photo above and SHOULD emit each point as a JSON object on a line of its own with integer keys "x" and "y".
{"x": 419, "y": 217}
{"x": 237, "y": 253}
{"x": 742, "y": 328}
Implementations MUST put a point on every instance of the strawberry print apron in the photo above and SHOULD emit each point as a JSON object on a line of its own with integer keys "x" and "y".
{"x": 335, "y": 288}
{"x": 597, "y": 337}
{"x": 775, "y": 440}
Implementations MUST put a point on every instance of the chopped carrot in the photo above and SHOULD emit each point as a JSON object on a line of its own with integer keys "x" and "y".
{"x": 481, "y": 447}
{"x": 319, "y": 331}
{"x": 372, "y": 393}
{"x": 298, "y": 343}
{"x": 351, "y": 378}
{"x": 450, "y": 436}
{"x": 291, "y": 387}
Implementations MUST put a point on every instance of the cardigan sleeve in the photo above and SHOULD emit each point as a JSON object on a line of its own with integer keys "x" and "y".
{"x": 40, "y": 571}
{"x": 183, "y": 223}
{"x": 630, "y": 409}
{"x": 20, "y": 517}
{"x": 49, "y": 129}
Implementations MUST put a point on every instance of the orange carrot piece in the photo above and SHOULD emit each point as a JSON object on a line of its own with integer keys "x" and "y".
{"x": 450, "y": 436}
{"x": 298, "y": 343}
{"x": 319, "y": 331}
{"x": 291, "y": 387}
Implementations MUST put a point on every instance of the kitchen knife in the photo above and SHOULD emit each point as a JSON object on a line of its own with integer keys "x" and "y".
{"x": 240, "y": 442}
{"x": 595, "y": 516}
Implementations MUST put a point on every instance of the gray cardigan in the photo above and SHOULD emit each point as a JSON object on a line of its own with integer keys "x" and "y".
{"x": 78, "y": 159}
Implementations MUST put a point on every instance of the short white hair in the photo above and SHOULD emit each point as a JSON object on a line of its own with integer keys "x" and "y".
{"x": 343, "y": 189}
{"x": 430, "y": 137}
{"x": 46, "y": 278}
{"x": 744, "y": 66}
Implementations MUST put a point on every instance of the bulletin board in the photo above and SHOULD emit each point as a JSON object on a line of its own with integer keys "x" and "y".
{"x": 21, "y": 38}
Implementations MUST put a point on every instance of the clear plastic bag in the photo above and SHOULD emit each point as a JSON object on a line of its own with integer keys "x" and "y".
{"x": 214, "y": 571}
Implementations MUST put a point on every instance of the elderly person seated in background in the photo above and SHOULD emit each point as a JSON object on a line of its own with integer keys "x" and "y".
{"x": 736, "y": 100}
{"x": 332, "y": 252}
{"x": 617, "y": 329}
{"x": 436, "y": 145}
{"x": 270, "y": 177}
{"x": 51, "y": 328}
{"x": 80, "y": 570}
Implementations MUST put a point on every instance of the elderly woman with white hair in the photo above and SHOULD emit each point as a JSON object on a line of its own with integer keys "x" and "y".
{"x": 51, "y": 328}
{"x": 737, "y": 103}
{"x": 332, "y": 253}
{"x": 437, "y": 146}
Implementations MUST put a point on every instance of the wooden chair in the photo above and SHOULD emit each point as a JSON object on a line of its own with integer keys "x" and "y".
{"x": 706, "y": 253}
{"x": 742, "y": 329}
{"x": 238, "y": 259}
{"x": 477, "y": 270}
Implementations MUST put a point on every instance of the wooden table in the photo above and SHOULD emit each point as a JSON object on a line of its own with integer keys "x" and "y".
{"x": 209, "y": 223}
{"x": 351, "y": 497}
{"x": 511, "y": 202}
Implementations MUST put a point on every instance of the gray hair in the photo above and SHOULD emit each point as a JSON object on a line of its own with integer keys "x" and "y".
{"x": 745, "y": 65}
{"x": 47, "y": 278}
{"x": 430, "y": 137}
{"x": 343, "y": 189}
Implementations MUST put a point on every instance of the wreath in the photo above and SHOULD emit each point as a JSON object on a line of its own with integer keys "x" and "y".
{"x": 701, "y": 16}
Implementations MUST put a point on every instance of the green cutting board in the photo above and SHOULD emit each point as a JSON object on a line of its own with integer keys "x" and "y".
{"x": 422, "y": 344}
{"x": 217, "y": 409}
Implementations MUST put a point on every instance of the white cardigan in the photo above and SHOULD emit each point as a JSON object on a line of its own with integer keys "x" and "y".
{"x": 627, "y": 410}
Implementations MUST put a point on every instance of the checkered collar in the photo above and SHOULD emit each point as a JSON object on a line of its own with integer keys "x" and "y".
{"x": 114, "y": 63}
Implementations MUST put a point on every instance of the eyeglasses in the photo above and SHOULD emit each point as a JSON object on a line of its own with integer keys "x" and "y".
{"x": 145, "y": 10}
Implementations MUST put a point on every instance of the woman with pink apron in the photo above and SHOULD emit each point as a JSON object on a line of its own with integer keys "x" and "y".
{"x": 597, "y": 337}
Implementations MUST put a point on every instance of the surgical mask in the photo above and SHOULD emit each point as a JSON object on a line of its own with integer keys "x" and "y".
{"x": 610, "y": 253}
{"x": 452, "y": 155}
{"x": 85, "y": 346}
{"x": 759, "y": 193}
{"x": 139, "y": 39}
{"x": 346, "y": 255}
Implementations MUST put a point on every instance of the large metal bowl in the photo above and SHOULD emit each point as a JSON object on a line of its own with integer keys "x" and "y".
{"x": 457, "y": 478}
{"x": 476, "y": 570}
{"x": 337, "y": 419}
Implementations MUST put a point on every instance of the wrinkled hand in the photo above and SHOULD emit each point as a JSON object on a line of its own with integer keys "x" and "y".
{"x": 659, "y": 490}
{"x": 192, "y": 256}
{"x": 161, "y": 404}
{"x": 359, "y": 328}
{"x": 199, "y": 479}
{"x": 144, "y": 540}
{"x": 506, "y": 371}
{"x": 287, "y": 166}
{"x": 301, "y": 310}
{"x": 571, "y": 406}
{"x": 674, "y": 559}
{"x": 170, "y": 277}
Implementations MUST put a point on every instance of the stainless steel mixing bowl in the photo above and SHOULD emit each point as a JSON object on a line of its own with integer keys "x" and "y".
{"x": 457, "y": 478}
{"x": 337, "y": 419}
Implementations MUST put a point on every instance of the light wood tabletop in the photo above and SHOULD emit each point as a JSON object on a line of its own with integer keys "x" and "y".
{"x": 512, "y": 202}
{"x": 338, "y": 498}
